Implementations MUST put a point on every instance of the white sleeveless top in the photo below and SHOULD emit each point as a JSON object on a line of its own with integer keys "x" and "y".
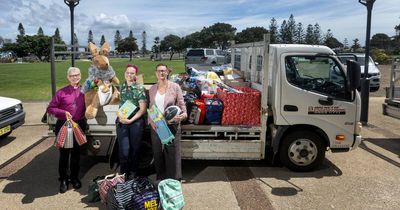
{"x": 160, "y": 101}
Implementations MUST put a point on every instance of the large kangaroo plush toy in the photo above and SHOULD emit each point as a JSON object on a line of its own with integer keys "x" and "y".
{"x": 99, "y": 88}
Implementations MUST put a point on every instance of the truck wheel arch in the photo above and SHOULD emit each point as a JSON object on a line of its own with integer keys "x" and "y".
{"x": 284, "y": 131}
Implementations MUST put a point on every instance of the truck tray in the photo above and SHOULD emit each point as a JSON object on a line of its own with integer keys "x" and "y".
{"x": 219, "y": 132}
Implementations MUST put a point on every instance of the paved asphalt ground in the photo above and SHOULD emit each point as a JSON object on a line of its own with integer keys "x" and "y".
{"x": 366, "y": 178}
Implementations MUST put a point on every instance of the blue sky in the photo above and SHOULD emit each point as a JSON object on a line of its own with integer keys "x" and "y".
{"x": 345, "y": 18}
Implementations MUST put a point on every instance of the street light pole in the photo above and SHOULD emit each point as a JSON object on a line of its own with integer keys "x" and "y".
{"x": 72, "y": 4}
{"x": 365, "y": 81}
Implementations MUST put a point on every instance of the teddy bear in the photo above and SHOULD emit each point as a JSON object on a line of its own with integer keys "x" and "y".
{"x": 99, "y": 88}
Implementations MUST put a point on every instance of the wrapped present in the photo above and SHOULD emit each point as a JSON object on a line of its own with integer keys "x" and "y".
{"x": 241, "y": 108}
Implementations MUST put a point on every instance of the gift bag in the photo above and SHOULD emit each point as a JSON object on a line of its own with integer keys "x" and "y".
{"x": 108, "y": 182}
{"x": 78, "y": 133}
{"x": 162, "y": 129}
{"x": 61, "y": 137}
{"x": 69, "y": 140}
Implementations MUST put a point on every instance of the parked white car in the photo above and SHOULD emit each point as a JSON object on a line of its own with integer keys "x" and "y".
{"x": 205, "y": 56}
{"x": 374, "y": 74}
{"x": 12, "y": 115}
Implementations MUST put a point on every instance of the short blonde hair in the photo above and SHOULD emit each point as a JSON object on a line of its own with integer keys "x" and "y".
{"x": 71, "y": 69}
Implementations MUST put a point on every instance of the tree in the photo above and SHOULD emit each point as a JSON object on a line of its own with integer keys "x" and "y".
{"x": 58, "y": 40}
{"x": 171, "y": 43}
{"x": 299, "y": 34}
{"x": 102, "y": 40}
{"x": 1, "y": 41}
{"x": 144, "y": 38}
{"x": 283, "y": 33}
{"x": 397, "y": 29}
{"x": 76, "y": 42}
{"x": 291, "y": 28}
{"x": 193, "y": 40}
{"x": 21, "y": 29}
{"x": 309, "y": 39}
{"x": 90, "y": 36}
{"x": 218, "y": 35}
{"x": 253, "y": 34}
{"x": 380, "y": 41}
{"x": 355, "y": 45}
{"x": 317, "y": 34}
{"x": 117, "y": 38}
{"x": 332, "y": 42}
{"x": 273, "y": 30}
{"x": 40, "y": 31}
{"x": 38, "y": 45}
{"x": 128, "y": 45}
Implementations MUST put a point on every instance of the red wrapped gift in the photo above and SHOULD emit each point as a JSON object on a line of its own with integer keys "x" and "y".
{"x": 241, "y": 108}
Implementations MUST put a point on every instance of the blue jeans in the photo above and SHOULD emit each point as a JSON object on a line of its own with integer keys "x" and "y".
{"x": 129, "y": 138}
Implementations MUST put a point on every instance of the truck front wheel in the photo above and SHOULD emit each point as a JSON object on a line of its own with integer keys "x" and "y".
{"x": 302, "y": 151}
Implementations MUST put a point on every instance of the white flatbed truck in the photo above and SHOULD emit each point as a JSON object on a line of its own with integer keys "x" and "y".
{"x": 309, "y": 104}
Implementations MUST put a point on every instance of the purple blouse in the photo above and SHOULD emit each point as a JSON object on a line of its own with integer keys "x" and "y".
{"x": 68, "y": 99}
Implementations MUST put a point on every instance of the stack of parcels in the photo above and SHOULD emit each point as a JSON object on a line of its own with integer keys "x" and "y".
{"x": 219, "y": 96}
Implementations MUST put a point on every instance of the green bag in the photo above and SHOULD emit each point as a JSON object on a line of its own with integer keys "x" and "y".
{"x": 171, "y": 196}
{"x": 93, "y": 190}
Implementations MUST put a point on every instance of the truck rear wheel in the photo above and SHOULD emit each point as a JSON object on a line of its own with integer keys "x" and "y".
{"x": 302, "y": 151}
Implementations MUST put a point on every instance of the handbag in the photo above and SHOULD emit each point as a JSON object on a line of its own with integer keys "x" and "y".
{"x": 78, "y": 133}
{"x": 171, "y": 196}
{"x": 69, "y": 141}
{"x": 62, "y": 136}
{"x": 93, "y": 190}
{"x": 108, "y": 182}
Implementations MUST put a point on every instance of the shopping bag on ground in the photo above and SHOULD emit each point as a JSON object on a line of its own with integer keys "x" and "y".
{"x": 93, "y": 190}
{"x": 171, "y": 196}
{"x": 80, "y": 136}
{"x": 108, "y": 182}
{"x": 145, "y": 195}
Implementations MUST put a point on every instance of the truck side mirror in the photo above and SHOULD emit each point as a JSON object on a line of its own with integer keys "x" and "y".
{"x": 353, "y": 74}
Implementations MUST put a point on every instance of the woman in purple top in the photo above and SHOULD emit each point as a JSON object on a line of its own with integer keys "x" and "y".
{"x": 69, "y": 103}
{"x": 167, "y": 158}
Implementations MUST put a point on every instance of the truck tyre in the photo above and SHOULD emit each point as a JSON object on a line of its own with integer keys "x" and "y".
{"x": 302, "y": 151}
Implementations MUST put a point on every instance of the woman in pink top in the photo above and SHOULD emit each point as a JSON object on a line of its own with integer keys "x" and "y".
{"x": 167, "y": 158}
{"x": 69, "y": 103}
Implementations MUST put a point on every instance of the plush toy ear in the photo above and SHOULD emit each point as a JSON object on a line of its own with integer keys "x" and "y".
{"x": 93, "y": 49}
{"x": 105, "y": 49}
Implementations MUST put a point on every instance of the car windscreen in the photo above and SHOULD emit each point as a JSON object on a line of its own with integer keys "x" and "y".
{"x": 195, "y": 53}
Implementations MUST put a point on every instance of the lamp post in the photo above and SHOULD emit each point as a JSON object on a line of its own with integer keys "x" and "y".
{"x": 72, "y": 4}
{"x": 365, "y": 81}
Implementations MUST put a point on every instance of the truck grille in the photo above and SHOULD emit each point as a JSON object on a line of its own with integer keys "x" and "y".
{"x": 4, "y": 114}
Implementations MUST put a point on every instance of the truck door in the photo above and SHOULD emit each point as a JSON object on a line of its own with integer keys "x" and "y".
{"x": 313, "y": 92}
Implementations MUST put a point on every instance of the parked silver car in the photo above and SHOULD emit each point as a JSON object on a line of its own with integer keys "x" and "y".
{"x": 374, "y": 74}
{"x": 205, "y": 56}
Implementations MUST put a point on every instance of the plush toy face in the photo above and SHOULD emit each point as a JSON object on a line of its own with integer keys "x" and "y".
{"x": 100, "y": 59}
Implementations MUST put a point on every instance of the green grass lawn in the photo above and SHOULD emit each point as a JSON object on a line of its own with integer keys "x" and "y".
{"x": 31, "y": 81}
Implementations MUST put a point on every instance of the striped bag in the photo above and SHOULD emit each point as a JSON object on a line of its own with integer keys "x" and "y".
{"x": 79, "y": 134}
{"x": 145, "y": 195}
{"x": 61, "y": 137}
{"x": 110, "y": 181}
